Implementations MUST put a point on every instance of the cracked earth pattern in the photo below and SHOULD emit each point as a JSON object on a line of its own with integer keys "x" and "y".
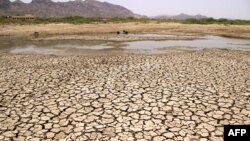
{"x": 182, "y": 96}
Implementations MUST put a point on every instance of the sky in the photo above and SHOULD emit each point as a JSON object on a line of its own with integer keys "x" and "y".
{"x": 232, "y": 9}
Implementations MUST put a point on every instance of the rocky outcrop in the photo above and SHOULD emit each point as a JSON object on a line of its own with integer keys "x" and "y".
{"x": 48, "y": 8}
{"x": 4, "y": 4}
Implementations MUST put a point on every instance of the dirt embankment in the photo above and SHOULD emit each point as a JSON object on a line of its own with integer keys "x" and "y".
{"x": 239, "y": 31}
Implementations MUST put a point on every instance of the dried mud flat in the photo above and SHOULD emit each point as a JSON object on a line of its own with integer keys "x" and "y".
{"x": 180, "y": 96}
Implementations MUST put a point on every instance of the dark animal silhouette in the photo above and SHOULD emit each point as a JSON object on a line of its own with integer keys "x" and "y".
{"x": 122, "y": 32}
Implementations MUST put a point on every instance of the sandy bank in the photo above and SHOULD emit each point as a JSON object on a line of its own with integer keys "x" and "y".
{"x": 161, "y": 28}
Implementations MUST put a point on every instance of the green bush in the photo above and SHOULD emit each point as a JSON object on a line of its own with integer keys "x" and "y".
{"x": 215, "y": 21}
{"x": 82, "y": 20}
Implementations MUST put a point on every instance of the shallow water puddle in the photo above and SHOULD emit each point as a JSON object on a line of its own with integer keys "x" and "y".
{"x": 34, "y": 50}
{"x": 205, "y": 42}
{"x": 148, "y": 47}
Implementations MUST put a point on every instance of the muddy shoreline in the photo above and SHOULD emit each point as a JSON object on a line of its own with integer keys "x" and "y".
{"x": 115, "y": 38}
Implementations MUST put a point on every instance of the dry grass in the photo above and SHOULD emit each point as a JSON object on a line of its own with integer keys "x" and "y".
{"x": 242, "y": 31}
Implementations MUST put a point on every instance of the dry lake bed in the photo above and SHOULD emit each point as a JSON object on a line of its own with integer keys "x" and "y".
{"x": 123, "y": 91}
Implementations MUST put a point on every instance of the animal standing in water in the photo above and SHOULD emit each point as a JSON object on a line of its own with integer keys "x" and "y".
{"x": 122, "y": 32}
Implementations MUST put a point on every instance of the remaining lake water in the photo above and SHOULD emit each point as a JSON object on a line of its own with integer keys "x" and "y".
{"x": 59, "y": 47}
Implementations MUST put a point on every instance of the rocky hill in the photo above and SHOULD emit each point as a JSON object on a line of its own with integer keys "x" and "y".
{"x": 181, "y": 17}
{"x": 48, "y": 8}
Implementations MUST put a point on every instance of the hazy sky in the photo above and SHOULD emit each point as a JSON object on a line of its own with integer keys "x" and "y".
{"x": 236, "y": 9}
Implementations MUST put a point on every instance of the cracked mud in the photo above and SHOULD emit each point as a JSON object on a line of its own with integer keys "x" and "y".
{"x": 182, "y": 96}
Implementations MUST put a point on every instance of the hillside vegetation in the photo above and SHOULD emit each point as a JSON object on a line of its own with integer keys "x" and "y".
{"x": 86, "y": 20}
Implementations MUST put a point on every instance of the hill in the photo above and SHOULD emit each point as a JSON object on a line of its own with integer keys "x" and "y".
{"x": 48, "y": 8}
{"x": 181, "y": 17}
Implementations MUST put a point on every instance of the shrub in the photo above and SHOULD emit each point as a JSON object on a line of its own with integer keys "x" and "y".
{"x": 81, "y": 20}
